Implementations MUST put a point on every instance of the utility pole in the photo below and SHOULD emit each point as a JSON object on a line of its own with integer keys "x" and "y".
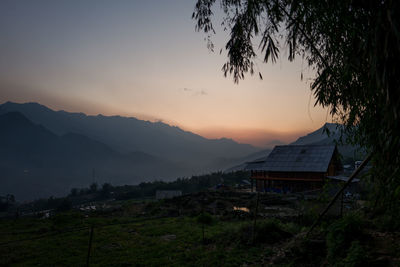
{"x": 255, "y": 217}
{"x": 90, "y": 245}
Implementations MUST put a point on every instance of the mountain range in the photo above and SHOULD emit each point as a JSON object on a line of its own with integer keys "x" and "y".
{"x": 127, "y": 134}
{"x": 35, "y": 162}
{"x": 45, "y": 152}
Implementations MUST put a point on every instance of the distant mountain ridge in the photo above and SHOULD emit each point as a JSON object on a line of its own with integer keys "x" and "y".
{"x": 328, "y": 134}
{"x": 34, "y": 162}
{"x": 320, "y": 135}
{"x": 127, "y": 134}
{"x": 333, "y": 135}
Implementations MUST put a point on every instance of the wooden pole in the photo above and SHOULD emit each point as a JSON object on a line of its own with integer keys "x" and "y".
{"x": 202, "y": 226}
{"x": 202, "y": 215}
{"x": 90, "y": 245}
{"x": 341, "y": 207}
{"x": 352, "y": 176}
{"x": 255, "y": 217}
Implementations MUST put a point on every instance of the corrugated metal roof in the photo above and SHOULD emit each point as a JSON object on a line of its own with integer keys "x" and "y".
{"x": 305, "y": 158}
{"x": 254, "y": 165}
{"x": 342, "y": 178}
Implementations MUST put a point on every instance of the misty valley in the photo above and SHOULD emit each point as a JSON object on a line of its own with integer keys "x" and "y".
{"x": 46, "y": 153}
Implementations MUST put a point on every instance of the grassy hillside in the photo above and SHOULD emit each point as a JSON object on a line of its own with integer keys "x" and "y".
{"x": 124, "y": 241}
{"x": 202, "y": 229}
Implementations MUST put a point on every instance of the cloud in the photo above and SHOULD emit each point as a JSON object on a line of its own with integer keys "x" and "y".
{"x": 201, "y": 92}
{"x": 195, "y": 92}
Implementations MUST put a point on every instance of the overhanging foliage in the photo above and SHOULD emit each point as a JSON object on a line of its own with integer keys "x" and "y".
{"x": 354, "y": 48}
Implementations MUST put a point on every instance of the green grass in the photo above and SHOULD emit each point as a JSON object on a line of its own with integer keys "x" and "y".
{"x": 131, "y": 244}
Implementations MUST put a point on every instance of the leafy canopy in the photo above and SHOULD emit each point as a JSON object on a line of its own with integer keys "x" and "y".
{"x": 354, "y": 48}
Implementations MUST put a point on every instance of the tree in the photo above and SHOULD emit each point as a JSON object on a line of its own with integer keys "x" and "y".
{"x": 93, "y": 188}
{"x": 354, "y": 48}
{"x": 64, "y": 205}
{"x": 10, "y": 198}
{"x": 4, "y": 204}
{"x": 106, "y": 190}
{"x": 74, "y": 192}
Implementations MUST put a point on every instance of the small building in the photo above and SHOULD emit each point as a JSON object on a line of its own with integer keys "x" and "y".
{"x": 337, "y": 182}
{"x": 166, "y": 194}
{"x": 294, "y": 168}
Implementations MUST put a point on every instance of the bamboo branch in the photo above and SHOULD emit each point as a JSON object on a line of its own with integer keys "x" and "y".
{"x": 352, "y": 176}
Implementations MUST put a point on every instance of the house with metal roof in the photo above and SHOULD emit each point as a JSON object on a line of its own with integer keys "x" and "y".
{"x": 295, "y": 168}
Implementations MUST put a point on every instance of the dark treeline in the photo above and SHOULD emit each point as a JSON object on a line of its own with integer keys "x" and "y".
{"x": 6, "y": 202}
{"x": 186, "y": 185}
{"x": 107, "y": 191}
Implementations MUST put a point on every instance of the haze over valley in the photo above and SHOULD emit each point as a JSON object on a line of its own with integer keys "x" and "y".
{"x": 46, "y": 152}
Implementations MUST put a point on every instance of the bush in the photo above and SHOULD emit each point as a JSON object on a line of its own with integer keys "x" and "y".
{"x": 303, "y": 252}
{"x": 66, "y": 219}
{"x": 270, "y": 232}
{"x": 388, "y": 222}
{"x": 341, "y": 236}
{"x": 154, "y": 207}
{"x": 310, "y": 212}
{"x": 204, "y": 218}
{"x": 266, "y": 232}
{"x": 64, "y": 205}
{"x": 355, "y": 255}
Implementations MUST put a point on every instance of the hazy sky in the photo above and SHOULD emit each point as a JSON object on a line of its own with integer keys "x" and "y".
{"x": 144, "y": 59}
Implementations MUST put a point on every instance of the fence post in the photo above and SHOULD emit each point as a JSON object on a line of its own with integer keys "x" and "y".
{"x": 255, "y": 218}
{"x": 90, "y": 245}
{"x": 352, "y": 176}
{"x": 341, "y": 207}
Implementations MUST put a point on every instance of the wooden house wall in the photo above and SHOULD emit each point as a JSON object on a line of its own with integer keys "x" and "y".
{"x": 288, "y": 181}
{"x": 286, "y": 186}
{"x": 334, "y": 166}
{"x": 303, "y": 176}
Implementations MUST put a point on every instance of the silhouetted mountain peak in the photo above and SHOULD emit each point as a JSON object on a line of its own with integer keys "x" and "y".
{"x": 127, "y": 134}
{"x": 319, "y": 134}
{"x": 14, "y": 117}
{"x": 29, "y": 105}
{"x": 16, "y": 122}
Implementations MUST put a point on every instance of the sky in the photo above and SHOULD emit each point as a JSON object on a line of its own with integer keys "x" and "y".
{"x": 144, "y": 59}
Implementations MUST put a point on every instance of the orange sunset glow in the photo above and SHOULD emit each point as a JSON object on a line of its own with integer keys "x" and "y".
{"x": 146, "y": 60}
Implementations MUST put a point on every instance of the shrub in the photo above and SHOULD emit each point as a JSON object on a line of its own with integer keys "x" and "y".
{"x": 341, "y": 235}
{"x": 270, "y": 232}
{"x": 309, "y": 215}
{"x": 355, "y": 255}
{"x": 266, "y": 232}
{"x": 204, "y": 218}
{"x": 388, "y": 222}
{"x": 64, "y": 205}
